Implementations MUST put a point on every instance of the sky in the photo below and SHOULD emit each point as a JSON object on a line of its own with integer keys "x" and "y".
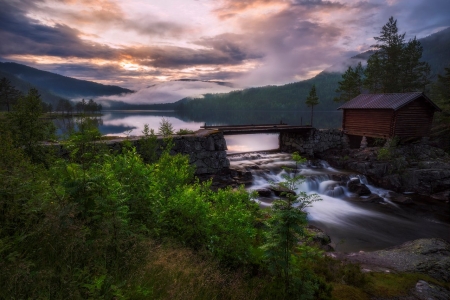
{"x": 139, "y": 43}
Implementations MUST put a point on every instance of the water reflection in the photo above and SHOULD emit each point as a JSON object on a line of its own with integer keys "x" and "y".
{"x": 132, "y": 122}
{"x": 251, "y": 142}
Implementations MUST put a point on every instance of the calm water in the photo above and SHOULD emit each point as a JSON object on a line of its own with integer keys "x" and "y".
{"x": 131, "y": 123}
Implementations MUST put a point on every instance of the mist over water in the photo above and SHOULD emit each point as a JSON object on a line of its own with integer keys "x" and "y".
{"x": 353, "y": 225}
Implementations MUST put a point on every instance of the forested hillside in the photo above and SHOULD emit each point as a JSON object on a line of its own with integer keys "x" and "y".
{"x": 292, "y": 96}
{"x": 60, "y": 85}
{"x": 24, "y": 87}
{"x": 286, "y": 97}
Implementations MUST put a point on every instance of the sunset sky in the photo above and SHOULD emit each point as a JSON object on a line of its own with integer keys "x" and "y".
{"x": 137, "y": 43}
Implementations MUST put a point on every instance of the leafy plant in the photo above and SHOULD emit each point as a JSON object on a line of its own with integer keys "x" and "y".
{"x": 184, "y": 131}
{"x": 165, "y": 128}
{"x": 148, "y": 145}
{"x": 286, "y": 229}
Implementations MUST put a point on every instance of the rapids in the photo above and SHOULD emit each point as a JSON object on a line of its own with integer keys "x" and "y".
{"x": 352, "y": 223}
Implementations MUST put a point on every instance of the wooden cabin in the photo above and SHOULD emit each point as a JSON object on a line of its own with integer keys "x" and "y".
{"x": 389, "y": 115}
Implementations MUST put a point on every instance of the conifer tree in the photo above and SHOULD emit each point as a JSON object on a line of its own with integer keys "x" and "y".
{"x": 440, "y": 93}
{"x": 8, "y": 93}
{"x": 312, "y": 101}
{"x": 395, "y": 67}
{"x": 351, "y": 84}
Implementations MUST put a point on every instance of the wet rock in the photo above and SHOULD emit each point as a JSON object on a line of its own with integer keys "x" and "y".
{"x": 264, "y": 192}
{"x": 419, "y": 168}
{"x": 355, "y": 186}
{"x": 443, "y": 196}
{"x": 282, "y": 191}
{"x": 372, "y": 198}
{"x": 401, "y": 199}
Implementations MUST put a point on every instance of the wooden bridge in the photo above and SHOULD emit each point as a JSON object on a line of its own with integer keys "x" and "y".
{"x": 260, "y": 128}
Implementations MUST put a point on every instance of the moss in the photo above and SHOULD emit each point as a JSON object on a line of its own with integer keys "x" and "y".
{"x": 393, "y": 285}
{"x": 341, "y": 291}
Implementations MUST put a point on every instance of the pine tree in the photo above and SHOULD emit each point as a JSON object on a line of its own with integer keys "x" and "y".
{"x": 312, "y": 101}
{"x": 395, "y": 67}
{"x": 415, "y": 74}
{"x": 440, "y": 93}
{"x": 8, "y": 93}
{"x": 351, "y": 84}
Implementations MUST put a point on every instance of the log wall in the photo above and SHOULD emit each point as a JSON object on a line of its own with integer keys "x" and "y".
{"x": 413, "y": 120}
{"x": 377, "y": 123}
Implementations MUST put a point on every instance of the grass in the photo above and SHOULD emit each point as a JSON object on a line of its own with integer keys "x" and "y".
{"x": 394, "y": 285}
{"x": 174, "y": 272}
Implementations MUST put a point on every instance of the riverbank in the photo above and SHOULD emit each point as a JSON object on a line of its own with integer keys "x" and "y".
{"x": 413, "y": 169}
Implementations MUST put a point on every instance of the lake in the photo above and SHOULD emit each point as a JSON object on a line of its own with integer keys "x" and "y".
{"x": 131, "y": 123}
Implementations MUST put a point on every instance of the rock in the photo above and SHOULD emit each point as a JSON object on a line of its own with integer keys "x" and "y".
{"x": 372, "y": 198}
{"x": 402, "y": 199}
{"x": 279, "y": 190}
{"x": 264, "y": 192}
{"x": 320, "y": 238}
{"x": 427, "y": 256}
{"x": 443, "y": 196}
{"x": 355, "y": 186}
{"x": 425, "y": 291}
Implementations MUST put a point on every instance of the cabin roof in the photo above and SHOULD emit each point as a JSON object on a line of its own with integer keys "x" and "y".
{"x": 393, "y": 101}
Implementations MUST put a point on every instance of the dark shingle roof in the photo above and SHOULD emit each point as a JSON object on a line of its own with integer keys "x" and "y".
{"x": 384, "y": 101}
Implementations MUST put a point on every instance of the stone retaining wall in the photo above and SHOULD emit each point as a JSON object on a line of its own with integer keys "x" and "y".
{"x": 206, "y": 149}
{"x": 314, "y": 142}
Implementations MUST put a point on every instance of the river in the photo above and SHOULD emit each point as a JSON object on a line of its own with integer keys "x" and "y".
{"x": 352, "y": 224}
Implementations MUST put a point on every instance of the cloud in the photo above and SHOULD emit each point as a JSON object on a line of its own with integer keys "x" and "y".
{"x": 253, "y": 42}
{"x": 27, "y": 36}
{"x": 169, "y": 92}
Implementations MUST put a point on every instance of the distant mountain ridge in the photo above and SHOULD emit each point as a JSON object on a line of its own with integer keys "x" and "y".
{"x": 436, "y": 48}
{"x": 58, "y": 85}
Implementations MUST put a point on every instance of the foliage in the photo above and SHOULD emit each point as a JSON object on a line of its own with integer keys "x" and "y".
{"x": 27, "y": 128}
{"x": 312, "y": 100}
{"x": 82, "y": 227}
{"x": 351, "y": 84}
{"x": 165, "y": 128}
{"x": 384, "y": 154}
{"x": 396, "y": 67}
{"x": 286, "y": 228}
{"x": 88, "y": 107}
{"x": 8, "y": 93}
{"x": 440, "y": 94}
{"x": 148, "y": 145}
{"x": 64, "y": 106}
{"x": 184, "y": 131}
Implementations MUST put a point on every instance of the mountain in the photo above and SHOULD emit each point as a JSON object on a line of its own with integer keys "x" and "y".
{"x": 292, "y": 96}
{"x": 59, "y": 85}
{"x": 24, "y": 87}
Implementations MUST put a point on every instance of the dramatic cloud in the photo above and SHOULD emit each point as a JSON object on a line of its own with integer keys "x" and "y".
{"x": 249, "y": 42}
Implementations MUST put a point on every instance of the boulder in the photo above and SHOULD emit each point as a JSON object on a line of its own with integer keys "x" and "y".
{"x": 425, "y": 291}
{"x": 372, "y": 198}
{"x": 427, "y": 256}
{"x": 282, "y": 191}
{"x": 264, "y": 192}
{"x": 355, "y": 186}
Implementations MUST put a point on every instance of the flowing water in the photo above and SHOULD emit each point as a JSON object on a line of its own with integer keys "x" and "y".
{"x": 352, "y": 224}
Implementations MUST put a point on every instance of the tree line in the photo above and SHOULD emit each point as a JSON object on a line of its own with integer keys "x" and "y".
{"x": 10, "y": 96}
